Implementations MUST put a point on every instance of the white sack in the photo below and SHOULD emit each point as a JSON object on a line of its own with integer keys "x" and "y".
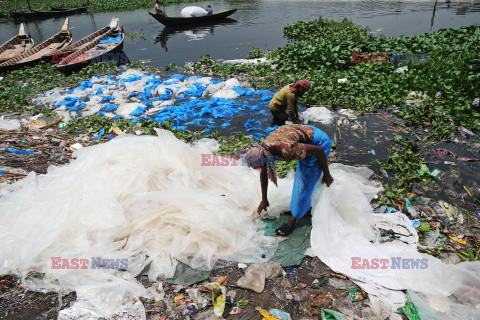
{"x": 193, "y": 11}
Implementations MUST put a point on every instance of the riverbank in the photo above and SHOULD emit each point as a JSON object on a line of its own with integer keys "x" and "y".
{"x": 403, "y": 139}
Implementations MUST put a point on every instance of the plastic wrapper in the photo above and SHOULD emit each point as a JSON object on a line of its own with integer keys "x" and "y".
{"x": 218, "y": 297}
{"x": 143, "y": 200}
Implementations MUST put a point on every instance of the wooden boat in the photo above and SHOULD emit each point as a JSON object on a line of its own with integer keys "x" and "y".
{"x": 16, "y": 45}
{"x": 95, "y": 50}
{"x": 64, "y": 52}
{"x": 42, "y": 51}
{"x": 35, "y": 14}
{"x": 175, "y": 21}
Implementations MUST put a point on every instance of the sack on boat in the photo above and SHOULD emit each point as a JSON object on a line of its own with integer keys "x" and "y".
{"x": 193, "y": 11}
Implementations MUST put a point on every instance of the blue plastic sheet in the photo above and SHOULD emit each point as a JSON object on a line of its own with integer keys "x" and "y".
{"x": 177, "y": 76}
{"x": 307, "y": 175}
{"x": 258, "y": 136}
{"x": 19, "y": 151}
{"x": 77, "y": 107}
{"x": 107, "y": 99}
{"x": 137, "y": 112}
{"x": 116, "y": 39}
{"x": 109, "y": 107}
{"x": 68, "y": 102}
{"x": 132, "y": 78}
{"x": 271, "y": 129}
{"x": 252, "y": 125}
{"x": 99, "y": 135}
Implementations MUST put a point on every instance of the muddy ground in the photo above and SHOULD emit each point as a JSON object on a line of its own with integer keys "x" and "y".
{"x": 313, "y": 287}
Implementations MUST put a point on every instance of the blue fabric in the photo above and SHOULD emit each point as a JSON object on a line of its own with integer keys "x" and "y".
{"x": 307, "y": 175}
{"x": 116, "y": 39}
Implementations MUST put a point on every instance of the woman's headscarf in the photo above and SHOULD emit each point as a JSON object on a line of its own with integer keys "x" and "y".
{"x": 259, "y": 157}
{"x": 302, "y": 83}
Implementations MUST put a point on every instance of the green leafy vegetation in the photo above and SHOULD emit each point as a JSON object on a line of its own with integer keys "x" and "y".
{"x": 321, "y": 51}
{"x": 408, "y": 165}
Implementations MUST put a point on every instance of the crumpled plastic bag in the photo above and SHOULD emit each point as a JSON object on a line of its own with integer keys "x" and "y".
{"x": 254, "y": 278}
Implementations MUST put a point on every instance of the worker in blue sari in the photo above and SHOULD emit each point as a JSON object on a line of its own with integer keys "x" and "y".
{"x": 311, "y": 146}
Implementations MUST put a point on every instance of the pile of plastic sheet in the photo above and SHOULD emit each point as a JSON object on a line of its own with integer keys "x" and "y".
{"x": 187, "y": 102}
{"x": 346, "y": 236}
{"x": 135, "y": 202}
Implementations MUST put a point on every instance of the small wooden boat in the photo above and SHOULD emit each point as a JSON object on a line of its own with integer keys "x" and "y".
{"x": 16, "y": 45}
{"x": 35, "y": 14}
{"x": 64, "y": 52}
{"x": 175, "y": 21}
{"x": 98, "y": 48}
{"x": 42, "y": 51}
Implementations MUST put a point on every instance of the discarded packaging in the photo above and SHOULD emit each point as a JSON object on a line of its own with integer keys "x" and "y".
{"x": 328, "y": 314}
{"x": 266, "y": 315}
{"x": 280, "y": 314}
{"x": 461, "y": 238}
{"x": 236, "y": 310}
{"x": 254, "y": 278}
{"x": 218, "y": 297}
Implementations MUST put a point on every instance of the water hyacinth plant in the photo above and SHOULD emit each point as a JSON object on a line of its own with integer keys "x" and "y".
{"x": 321, "y": 51}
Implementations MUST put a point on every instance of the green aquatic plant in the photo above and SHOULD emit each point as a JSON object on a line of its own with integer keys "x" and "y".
{"x": 325, "y": 51}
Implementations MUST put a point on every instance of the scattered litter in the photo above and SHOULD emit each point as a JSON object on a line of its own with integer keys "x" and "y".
{"x": 343, "y": 80}
{"x": 402, "y": 70}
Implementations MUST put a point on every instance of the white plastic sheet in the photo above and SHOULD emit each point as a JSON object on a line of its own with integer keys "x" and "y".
{"x": 146, "y": 199}
{"x": 9, "y": 124}
{"x": 346, "y": 228}
{"x": 317, "y": 114}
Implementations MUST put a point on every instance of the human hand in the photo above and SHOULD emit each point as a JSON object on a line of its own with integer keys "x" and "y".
{"x": 263, "y": 206}
{"x": 327, "y": 179}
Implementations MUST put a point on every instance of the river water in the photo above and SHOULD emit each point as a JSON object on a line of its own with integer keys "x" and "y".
{"x": 256, "y": 24}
